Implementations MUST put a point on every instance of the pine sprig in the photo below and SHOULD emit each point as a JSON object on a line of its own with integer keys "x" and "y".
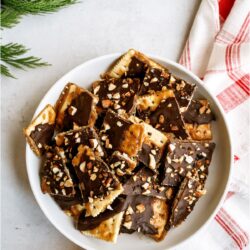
{"x": 37, "y": 6}
{"x": 5, "y": 71}
{"x": 9, "y": 17}
{"x": 10, "y": 54}
{"x": 11, "y": 14}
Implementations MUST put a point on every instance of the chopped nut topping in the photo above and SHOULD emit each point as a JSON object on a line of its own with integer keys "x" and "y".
{"x": 129, "y": 210}
{"x": 39, "y": 145}
{"x": 116, "y": 96}
{"x": 171, "y": 147}
{"x": 128, "y": 225}
{"x": 140, "y": 208}
{"x": 169, "y": 170}
{"x": 93, "y": 177}
{"x": 111, "y": 87}
{"x": 145, "y": 185}
{"x": 72, "y": 110}
{"x": 82, "y": 166}
{"x": 189, "y": 159}
{"x": 152, "y": 162}
{"x": 68, "y": 183}
{"x": 119, "y": 124}
{"x": 96, "y": 89}
{"x": 161, "y": 119}
{"x": 93, "y": 143}
{"x": 125, "y": 86}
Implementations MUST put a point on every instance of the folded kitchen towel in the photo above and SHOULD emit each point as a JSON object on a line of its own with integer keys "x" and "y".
{"x": 218, "y": 51}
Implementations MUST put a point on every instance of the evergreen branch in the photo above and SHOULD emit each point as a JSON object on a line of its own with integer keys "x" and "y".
{"x": 37, "y": 6}
{"x": 9, "y": 17}
{"x": 5, "y": 71}
{"x": 10, "y": 54}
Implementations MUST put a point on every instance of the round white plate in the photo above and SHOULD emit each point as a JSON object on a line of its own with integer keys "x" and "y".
{"x": 205, "y": 209}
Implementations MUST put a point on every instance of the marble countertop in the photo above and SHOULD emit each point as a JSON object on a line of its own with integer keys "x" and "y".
{"x": 66, "y": 39}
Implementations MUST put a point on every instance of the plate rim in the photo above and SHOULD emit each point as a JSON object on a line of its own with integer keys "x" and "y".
{"x": 177, "y": 66}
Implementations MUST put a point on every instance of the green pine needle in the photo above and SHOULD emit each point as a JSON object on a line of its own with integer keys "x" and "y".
{"x": 9, "y": 17}
{"x": 37, "y": 6}
{"x": 10, "y": 54}
{"x": 5, "y": 71}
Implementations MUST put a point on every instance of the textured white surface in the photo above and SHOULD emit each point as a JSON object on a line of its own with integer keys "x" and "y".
{"x": 66, "y": 39}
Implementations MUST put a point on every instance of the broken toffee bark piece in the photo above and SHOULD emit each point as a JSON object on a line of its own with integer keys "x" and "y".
{"x": 186, "y": 157}
{"x": 41, "y": 130}
{"x": 122, "y": 164}
{"x": 189, "y": 192}
{"x": 117, "y": 94}
{"x": 96, "y": 181}
{"x": 76, "y": 107}
{"x": 120, "y": 134}
{"x": 105, "y": 226}
{"x": 132, "y": 64}
{"x": 145, "y": 182}
{"x": 56, "y": 179}
{"x": 167, "y": 118}
{"x": 146, "y": 214}
{"x": 198, "y": 119}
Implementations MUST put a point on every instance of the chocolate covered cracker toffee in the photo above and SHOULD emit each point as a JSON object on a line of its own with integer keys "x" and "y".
{"x": 131, "y": 155}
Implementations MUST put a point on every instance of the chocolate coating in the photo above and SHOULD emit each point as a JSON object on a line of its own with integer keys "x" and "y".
{"x": 167, "y": 118}
{"x": 89, "y": 222}
{"x": 184, "y": 157}
{"x": 42, "y": 136}
{"x": 83, "y": 105}
{"x": 198, "y": 112}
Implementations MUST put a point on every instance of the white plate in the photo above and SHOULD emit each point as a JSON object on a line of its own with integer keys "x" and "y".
{"x": 205, "y": 209}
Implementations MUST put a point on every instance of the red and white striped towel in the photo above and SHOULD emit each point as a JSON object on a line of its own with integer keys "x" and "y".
{"x": 218, "y": 51}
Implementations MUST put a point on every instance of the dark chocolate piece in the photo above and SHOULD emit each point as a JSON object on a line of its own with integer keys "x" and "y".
{"x": 167, "y": 118}
{"x": 189, "y": 193}
{"x": 121, "y": 134}
{"x": 96, "y": 181}
{"x": 76, "y": 107}
{"x": 117, "y": 94}
{"x": 150, "y": 155}
{"x": 198, "y": 112}
{"x": 136, "y": 69}
{"x": 42, "y": 135}
{"x": 41, "y": 130}
{"x": 187, "y": 157}
{"x": 145, "y": 182}
{"x": 56, "y": 179}
{"x": 146, "y": 214}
